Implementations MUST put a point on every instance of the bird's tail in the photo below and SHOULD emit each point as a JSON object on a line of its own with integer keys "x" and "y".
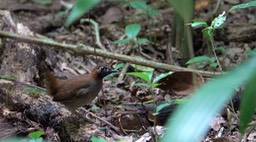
{"x": 50, "y": 80}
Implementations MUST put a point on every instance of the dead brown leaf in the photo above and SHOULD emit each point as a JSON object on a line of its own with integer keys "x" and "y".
{"x": 200, "y": 4}
{"x": 181, "y": 83}
{"x": 113, "y": 14}
{"x": 222, "y": 139}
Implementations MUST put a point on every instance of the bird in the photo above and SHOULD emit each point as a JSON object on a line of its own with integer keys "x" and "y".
{"x": 79, "y": 90}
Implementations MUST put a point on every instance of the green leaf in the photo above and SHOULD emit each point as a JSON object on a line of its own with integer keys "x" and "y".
{"x": 248, "y": 104}
{"x": 132, "y": 30}
{"x": 147, "y": 76}
{"x": 118, "y": 66}
{"x": 141, "y": 40}
{"x": 197, "y": 23}
{"x": 180, "y": 101}
{"x": 213, "y": 65}
{"x": 95, "y": 139}
{"x": 36, "y": 134}
{"x": 162, "y": 75}
{"x": 121, "y": 41}
{"x": 142, "y": 68}
{"x": 95, "y": 107}
{"x": 139, "y": 4}
{"x": 141, "y": 84}
{"x": 148, "y": 102}
{"x": 221, "y": 49}
{"x": 190, "y": 121}
{"x": 11, "y": 76}
{"x": 110, "y": 77}
{"x": 160, "y": 107}
{"x": 200, "y": 59}
{"x": 43, "y": 2}
{"x": 207, "y": 34}
{"x": 80, "y": 7}
{"x": 243, "y": 5}
{"x": 154, "y": 85}
{"x": 152, "y": 12}
{"x": 31, "y": 90}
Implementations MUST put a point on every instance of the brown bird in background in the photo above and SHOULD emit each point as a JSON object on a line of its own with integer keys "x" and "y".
{"x": 79, "y": 90}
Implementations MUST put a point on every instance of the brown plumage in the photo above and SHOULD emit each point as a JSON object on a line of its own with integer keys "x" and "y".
{"x": 79, "y": 90}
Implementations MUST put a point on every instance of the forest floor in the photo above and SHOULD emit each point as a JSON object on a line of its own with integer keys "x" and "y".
{"x": 120, "y": 102}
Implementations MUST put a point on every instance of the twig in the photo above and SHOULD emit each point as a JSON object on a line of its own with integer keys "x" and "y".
{"x": 122, "y": 73}
{"x": 215, "y": 55}
{"x": 217, "y": 7}
{"x": 23, "y": 83}
{"x": 106, "y": 122}
{"x": 96, "y": 30}
{"x": 82, "y": 50}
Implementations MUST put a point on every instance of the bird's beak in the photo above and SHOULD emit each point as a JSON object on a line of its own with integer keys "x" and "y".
{"x": 112, "y": 72}
{"x": 108, "y": 72}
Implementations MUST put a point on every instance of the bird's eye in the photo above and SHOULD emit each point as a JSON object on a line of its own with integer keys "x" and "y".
{"x": 101, "y": 68}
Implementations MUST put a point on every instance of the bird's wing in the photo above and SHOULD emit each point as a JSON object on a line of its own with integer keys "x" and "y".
{"x": 71, "y": 96}
{"x": 67, "y": 93}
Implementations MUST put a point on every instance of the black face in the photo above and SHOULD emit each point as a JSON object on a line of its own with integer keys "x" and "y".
{"x": 104, "y": 71}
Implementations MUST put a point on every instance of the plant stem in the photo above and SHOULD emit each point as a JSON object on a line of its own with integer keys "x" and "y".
{"x": 215, "y": 55}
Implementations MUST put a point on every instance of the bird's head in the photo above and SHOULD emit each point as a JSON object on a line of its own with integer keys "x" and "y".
{"x": 103, "y": 71}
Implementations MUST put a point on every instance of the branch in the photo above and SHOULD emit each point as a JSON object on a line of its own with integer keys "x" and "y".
{"x": 83, "y": 49}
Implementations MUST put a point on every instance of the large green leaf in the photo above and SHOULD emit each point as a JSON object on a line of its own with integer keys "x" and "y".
{"x": 147, "y": 76}
{"x": 36, "y": 134}
{"x": 161, "y": 106}
{"x": 248, "y": 104}
{"x": 197, "y": 23}
{"x": 190, "y": 121}
{"x": 80, "y": 7}
{"x": 200, "y": 59}
{"x": 162, "y": 75}
{"x": 141, "y": 84}
{"x": 119, "y": 65}
{"x": 132, "y": 30}
{"x": 139, "y": 4}
{"x": 243, "y": 5}
{"x": 141, "y": 40}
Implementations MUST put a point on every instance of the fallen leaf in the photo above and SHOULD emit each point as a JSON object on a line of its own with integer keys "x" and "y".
{"x": 222, "y": 139}
{"x": 181, "y": 83}
{"x": 113, "y": 14}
